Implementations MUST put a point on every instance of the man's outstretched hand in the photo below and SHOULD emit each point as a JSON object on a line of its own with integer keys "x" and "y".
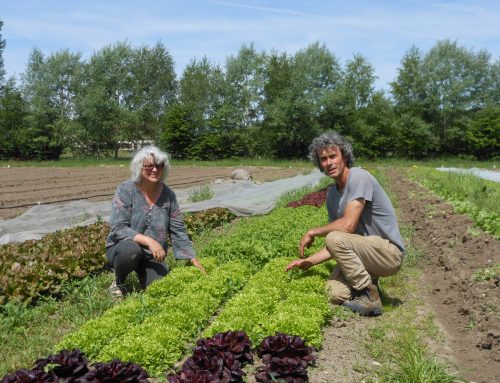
{"x": 298, "y": 263}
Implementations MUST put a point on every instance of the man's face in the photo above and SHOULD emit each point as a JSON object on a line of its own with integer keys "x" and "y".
{"x": 331, "y": 161}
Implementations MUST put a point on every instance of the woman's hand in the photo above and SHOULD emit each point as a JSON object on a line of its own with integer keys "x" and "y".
{"x": 156, "y": 249}
{"x": 198, "y": 264}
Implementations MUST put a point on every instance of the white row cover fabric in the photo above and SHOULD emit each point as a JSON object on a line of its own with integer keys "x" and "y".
{"x": 485, "y": 174}
{"x": 242, "y": 198}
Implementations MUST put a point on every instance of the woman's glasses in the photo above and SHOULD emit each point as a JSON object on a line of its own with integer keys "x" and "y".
{"x": 150, "y": 167}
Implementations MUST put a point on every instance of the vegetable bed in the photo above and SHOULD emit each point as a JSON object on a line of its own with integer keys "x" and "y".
{"x": 246, "y": 291}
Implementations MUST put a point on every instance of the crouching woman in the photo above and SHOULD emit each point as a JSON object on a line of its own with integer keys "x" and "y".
{"x": 144, "y": 214}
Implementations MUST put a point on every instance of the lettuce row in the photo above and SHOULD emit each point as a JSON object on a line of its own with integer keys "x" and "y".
{"x": 154, "y": 328}
{"x": 294, "y": 303}
{"x": 467, "y": 193}
{"x": 261, "y": 239}
{"x": 36, "y": 267}
{"x": 97, "y": 333}
{"x": 160, "y": 340}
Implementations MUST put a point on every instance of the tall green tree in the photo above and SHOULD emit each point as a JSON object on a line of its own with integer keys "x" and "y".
{"x": 2, "y": 47}
{"x": 103, "y": 102}
{"x": 203, "y": 91}
{"x": 359, "y": 81}
{"x": 457, "y": 82}
{"x": 42, "y": 140}
{"x": 13, "y": 112}
{"x": 494, "y": 89}
{"x": 483, "y": 134}
{"x": 245, "y": 79}
{"x": 126, "y": 91}
{"x": 353, "y": 96}
{"x": 277, "y": 93}
{"x": 177, "y": 137}
{"x": 375, "y": 128}
{"x": 296, "y": 94}
{"x": 408, "y": 89}
{"x": 154, "y": 88}
{"x": 415, "y": 138}
{"x": 64, "y": 72}
{"x": 347, "y": 100}
{"x": 316, "y": 73}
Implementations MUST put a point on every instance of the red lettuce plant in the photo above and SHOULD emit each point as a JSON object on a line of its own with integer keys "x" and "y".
{"x": 216, "y": 360}
{"x": 285, "y": 358}
{"x": 29, "y": 376}
{"x": 67, "y": 365}
{"x": 115, "y": 371}
{"x": 194, "y": 376}
{"x": 72, "y": 367}
{"x": 313, "y": 199}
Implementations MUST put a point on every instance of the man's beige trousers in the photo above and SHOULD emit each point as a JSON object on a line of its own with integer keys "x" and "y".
{"x": 359, "y": 259}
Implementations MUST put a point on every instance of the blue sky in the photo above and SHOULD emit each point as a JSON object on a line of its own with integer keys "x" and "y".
{"x": 382, "y": 31}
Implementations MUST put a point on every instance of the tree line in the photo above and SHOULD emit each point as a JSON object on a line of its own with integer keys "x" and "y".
{"x": 442, "y": 102}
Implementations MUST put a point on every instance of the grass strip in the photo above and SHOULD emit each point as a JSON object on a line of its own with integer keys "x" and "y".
{"x": 30, "y": 332}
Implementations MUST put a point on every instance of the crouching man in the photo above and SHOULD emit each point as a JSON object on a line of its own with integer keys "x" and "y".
{"x": 362, "y": 235}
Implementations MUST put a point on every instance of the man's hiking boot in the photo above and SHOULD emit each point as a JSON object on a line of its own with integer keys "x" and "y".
{"x": 365, "y": 302}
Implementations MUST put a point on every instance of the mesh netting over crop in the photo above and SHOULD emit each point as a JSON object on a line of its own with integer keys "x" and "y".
{"x": 486, "y": 174}
{"x": 242, "y": 198}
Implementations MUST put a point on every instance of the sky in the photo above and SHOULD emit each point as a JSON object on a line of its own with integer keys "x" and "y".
{"x": 380, "y": 30}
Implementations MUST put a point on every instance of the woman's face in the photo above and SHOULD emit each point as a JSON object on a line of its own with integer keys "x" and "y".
{"x": 151, "y": 171}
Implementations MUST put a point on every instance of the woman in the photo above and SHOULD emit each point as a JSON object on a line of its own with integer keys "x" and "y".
{"x": 144, "y": 214}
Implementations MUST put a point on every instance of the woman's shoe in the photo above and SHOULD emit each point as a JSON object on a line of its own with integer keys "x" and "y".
{"x": 115, "y": 291}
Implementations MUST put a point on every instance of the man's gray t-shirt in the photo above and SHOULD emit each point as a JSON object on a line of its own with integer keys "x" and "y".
{"x": 378, "y": 216}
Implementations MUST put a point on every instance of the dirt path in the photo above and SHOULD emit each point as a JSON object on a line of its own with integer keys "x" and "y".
{"x": 21, "y": 188}
{"x": 466, "y": 310}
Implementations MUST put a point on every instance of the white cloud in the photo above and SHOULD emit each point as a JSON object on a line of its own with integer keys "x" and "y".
{"x": 260, "y": 8}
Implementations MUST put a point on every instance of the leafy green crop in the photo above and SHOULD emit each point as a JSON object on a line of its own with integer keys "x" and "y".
{"x": 96, "y": 333}
{"x": 261, "y": 239}
{"x": 199, "y": 221}
{"x": 468, "y": 194}
{"x": 293, "y": 303}
{"x": 37, "y": 267}
{"x": 153, "y": 330}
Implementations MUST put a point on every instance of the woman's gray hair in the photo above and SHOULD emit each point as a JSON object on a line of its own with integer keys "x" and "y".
{"x": 327, "y": 140}
{"x": 147, "y": 152}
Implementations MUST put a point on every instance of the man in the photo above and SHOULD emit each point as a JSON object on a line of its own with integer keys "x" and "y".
{"x": 362, "y": 235}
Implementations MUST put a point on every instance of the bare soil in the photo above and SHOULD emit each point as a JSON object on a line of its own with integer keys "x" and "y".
{"x": 466, "y": 311}
{"x": 452, "y": 252}
{"x": 21, "y": 188}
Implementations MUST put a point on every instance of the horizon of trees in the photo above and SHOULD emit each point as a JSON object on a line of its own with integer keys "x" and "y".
{"x": 441, "y": 102}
